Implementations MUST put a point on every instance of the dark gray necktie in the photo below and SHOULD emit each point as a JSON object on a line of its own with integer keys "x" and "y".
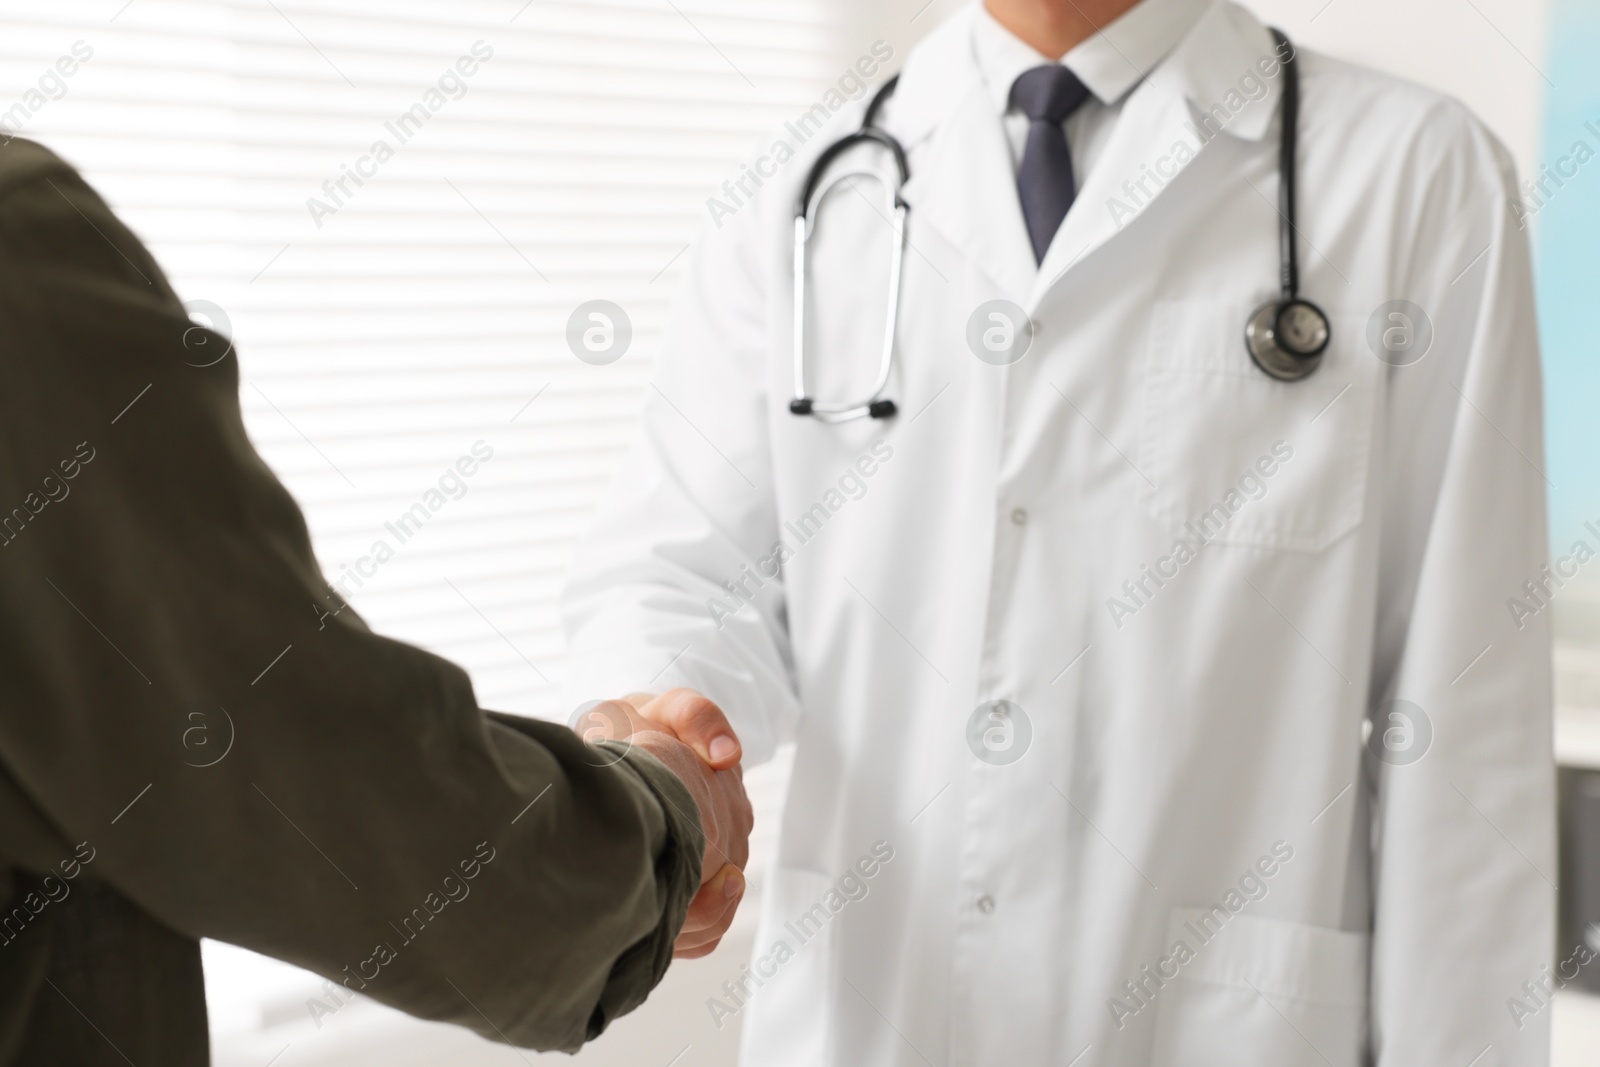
{"x": 1047, "y": 95}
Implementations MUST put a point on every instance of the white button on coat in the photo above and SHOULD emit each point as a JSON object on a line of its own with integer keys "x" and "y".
{"x": 1223, "y": 578}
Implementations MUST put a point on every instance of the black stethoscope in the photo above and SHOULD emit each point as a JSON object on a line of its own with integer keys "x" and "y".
{"x": 1285, "y": 337}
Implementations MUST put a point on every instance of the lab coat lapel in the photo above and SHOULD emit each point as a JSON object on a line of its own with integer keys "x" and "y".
{"x": 1160, "y": 133}
{"x": 962, "y": 182}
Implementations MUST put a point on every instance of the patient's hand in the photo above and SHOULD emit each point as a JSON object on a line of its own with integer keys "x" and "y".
{"x": 689, "y": 734}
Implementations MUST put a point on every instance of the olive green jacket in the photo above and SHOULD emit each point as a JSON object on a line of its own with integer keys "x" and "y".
{"x": 197, "y": 739}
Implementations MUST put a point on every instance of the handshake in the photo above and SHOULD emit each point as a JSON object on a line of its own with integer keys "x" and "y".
{"x": 692, "y": 737}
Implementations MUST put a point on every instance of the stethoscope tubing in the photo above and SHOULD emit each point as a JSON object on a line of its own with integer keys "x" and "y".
{"x": 1273, "y": 332}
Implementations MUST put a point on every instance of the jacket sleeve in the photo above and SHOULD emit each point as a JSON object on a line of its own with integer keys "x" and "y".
{"x": 240, "y": 755}
{"x": 1464, "y": 833}
{"x": 679, "y": 582}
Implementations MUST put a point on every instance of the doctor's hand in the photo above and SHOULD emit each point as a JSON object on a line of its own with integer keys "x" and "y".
{"x": 690, "y": 734}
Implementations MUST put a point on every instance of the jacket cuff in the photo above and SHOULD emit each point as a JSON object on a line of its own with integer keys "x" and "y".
{"x": 640, "y": 969}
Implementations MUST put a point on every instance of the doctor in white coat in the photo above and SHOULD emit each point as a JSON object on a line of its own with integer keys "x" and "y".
{"x": 1148, "y": 710}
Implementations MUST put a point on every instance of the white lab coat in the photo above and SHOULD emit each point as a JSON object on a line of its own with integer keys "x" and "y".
{"x": 1200, "y": 744}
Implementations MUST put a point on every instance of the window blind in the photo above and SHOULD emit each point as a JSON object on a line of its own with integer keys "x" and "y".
{"x": 394, "y": 208}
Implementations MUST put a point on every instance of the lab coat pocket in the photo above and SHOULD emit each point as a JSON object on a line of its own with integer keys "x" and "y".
{"x": 1261, "y": 991}
{"x": 1231, "y": 455}
{"x": 788, "y": 1017}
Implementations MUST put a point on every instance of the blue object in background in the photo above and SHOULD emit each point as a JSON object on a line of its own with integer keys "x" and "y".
{"x": 1566, "y": 232}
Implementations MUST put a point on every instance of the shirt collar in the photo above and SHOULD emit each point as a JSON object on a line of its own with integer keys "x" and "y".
{"x": 1110, "y": 62}
{"x": 1220, "y": 48}
{"x": 1002, "y": 56}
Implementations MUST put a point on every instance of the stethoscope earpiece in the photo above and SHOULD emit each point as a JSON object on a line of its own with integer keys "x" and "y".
{"x": 1286, "y": 338}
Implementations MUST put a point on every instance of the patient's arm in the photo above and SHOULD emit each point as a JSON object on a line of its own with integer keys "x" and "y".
{"x": 369, "y": 821}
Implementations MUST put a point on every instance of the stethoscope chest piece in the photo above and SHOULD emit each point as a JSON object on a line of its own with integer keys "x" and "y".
{"x": 1287, "y": 338}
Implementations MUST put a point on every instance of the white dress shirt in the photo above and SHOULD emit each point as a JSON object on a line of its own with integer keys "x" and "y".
{"x": 1110, "y": 64}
